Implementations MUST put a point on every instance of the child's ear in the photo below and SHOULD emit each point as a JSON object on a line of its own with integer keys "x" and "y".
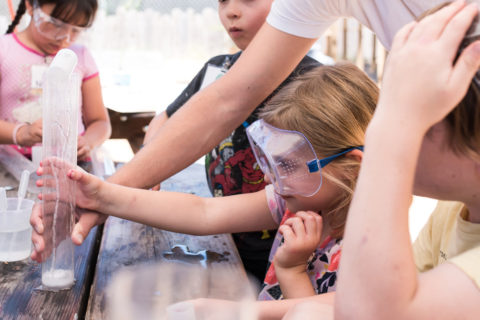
{"x": 29, "y": 7}
{"x": 355, "y": 154}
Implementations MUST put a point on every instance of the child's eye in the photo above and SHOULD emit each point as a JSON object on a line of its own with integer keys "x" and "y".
{"x": 222, "y": 1}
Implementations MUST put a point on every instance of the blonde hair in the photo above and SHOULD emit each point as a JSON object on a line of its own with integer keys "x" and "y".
{"x": 331, "y": 106}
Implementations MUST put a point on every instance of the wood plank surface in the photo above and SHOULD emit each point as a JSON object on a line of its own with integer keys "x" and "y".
{"x": 129, "y": 244}
{"x": 126, "y": 243}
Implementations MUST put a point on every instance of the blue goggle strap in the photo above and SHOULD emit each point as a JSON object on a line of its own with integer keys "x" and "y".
{"x": 315, "y": 164}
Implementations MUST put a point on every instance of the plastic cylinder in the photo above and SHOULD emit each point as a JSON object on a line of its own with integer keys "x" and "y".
{"x": 61, "y": 103}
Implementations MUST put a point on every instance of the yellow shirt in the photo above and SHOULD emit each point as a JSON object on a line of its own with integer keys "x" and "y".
{"x": 448, "y": 236}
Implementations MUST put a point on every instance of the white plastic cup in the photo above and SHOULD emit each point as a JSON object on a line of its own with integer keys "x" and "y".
{"x": 16, "y": 231}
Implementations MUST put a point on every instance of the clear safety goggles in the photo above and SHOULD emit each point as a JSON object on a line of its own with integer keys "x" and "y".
{"x": 288, "y": 159}
{"x": 52, "y": 28}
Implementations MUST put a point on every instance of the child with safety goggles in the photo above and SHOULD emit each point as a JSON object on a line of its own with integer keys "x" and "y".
{"x": 309, "y": 144}
{"x": 24, "y": 57}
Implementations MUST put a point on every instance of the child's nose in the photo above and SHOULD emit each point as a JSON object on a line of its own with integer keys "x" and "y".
{"x": 233, "y": 10}
{"x": 66, "y": 39}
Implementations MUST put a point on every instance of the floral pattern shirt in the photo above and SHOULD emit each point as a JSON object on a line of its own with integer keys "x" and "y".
{"x": 321, "y": 266}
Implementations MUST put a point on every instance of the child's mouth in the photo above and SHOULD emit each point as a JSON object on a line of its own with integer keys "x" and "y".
{"x": 234, "y": 31}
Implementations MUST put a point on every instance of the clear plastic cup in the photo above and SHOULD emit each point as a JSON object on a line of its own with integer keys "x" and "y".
{"x": 16, "y": 231}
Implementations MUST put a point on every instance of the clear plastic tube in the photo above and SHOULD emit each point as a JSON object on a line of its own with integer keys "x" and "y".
{"x": 61, "y": 103}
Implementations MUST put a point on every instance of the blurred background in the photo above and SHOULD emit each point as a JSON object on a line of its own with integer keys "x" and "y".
{"x": 148, "y": 50}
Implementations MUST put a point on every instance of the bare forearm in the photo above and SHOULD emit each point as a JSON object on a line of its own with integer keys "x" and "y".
{"x": 6, "y": 130}
{"x": 186, "y": 213}
{"x": 154, "y": 126}
{"x": 166, "y": 210}
{"x": 377, "y": 227}
{"x": 97, "y": 132}
{"x": 272, "y": 310}
{"x": 294, "y": 282}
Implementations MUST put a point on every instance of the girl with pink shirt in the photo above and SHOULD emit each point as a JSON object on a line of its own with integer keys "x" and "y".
{"x": 25, "y": 55}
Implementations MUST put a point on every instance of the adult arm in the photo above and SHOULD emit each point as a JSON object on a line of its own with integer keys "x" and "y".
{"x": 214, "y": 112}
{"x": 154, "y": 126}
{"x": 95, "y": 118}
{"x": 377, "y": 276}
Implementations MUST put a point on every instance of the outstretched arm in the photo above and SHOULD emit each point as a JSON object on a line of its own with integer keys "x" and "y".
{"x": 171, "y": 211}
{"x": 377, "y": 276}
{"x": 214, "y": 112}
{"x": 154, "y": 126}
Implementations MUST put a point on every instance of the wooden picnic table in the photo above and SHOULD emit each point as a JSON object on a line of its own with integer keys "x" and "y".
{"x": 106, "y": 250}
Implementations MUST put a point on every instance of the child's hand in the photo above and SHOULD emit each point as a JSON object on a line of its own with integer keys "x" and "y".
{"x": 302, "y": 235}
{"x": 87, "y": 189}
{"x": 30, "y": 134}
{"x": 83, "y": 148}
{"x": 421, "y": 85}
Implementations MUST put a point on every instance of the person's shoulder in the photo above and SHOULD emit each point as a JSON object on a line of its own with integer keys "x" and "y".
{"x": 445, "y": 213}
{"x": 79, "y": 49}
{"x": 8, "y": 42}
{"x": 7, "y": 39}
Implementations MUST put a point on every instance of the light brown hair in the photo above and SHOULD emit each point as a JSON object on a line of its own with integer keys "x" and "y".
{"x": 331, "y": 106}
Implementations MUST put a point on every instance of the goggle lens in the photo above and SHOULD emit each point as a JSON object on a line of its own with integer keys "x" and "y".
{"x": 53, "y": 28}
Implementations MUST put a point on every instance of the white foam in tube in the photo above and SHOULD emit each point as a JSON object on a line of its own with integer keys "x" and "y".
{"x": 65, "y": 60}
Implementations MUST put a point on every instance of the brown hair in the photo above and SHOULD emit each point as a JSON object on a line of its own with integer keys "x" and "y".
{"x": 463, "y": 122}
{"x": 331, "y": 106}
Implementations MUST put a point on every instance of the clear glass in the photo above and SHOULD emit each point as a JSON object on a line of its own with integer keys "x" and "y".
{"x": 15, "y": 230}
{"x": 61, "y": 94}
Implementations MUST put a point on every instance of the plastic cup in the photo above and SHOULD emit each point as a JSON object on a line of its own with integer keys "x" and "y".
{"x": 16, "y": 231}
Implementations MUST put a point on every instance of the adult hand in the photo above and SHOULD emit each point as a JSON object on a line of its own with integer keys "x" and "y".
{"x": 83, "y": 148}
{"x": 30, "y": 134}
{"x": 86, "y": 220}
{"x": 421, "y": 84}
{"x": 301, "y": 235}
